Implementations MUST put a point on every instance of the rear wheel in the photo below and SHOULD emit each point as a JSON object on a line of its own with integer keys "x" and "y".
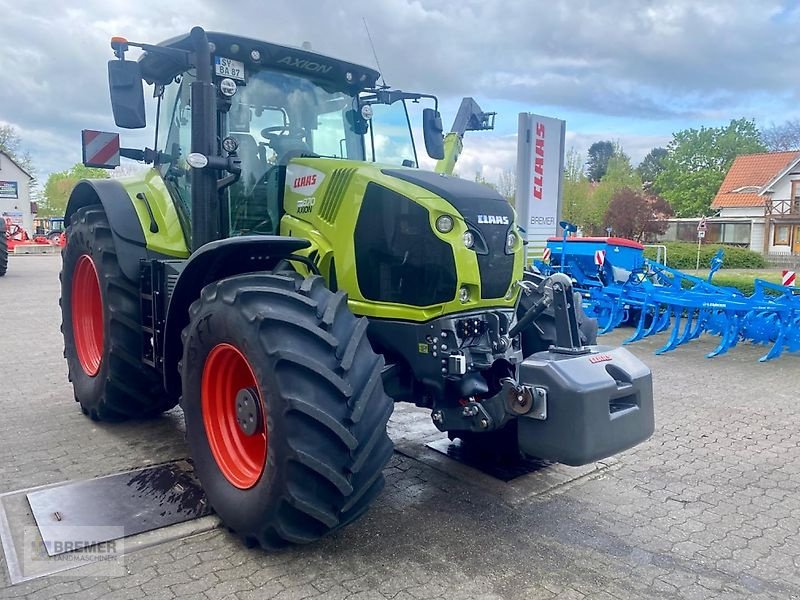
{"x": 100, "y": 312}
{"x": 285, "y": 408}
{"x": 3, "y": 249}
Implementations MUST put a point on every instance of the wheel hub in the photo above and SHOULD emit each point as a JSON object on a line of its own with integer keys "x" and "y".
{"x": 248, "y": 411}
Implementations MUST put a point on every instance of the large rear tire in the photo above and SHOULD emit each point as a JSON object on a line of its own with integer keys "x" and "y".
{"x": 285, "y": 408}
{"x": 101, "y": 323}
{"x": 3, "y": 249}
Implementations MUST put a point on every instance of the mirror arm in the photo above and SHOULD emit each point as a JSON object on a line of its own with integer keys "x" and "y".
{"x": 181, "y": 57}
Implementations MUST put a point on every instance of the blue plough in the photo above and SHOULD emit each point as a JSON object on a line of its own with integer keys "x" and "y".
{"x": 620, "y": 286}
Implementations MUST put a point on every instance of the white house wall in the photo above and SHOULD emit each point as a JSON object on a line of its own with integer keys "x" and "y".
{"x": 782, "y": 190}
{"x": 11, "y": 172}
{"x": 741, "y": 211}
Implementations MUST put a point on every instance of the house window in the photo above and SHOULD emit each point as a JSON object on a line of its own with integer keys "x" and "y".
{"x": 796, "y": 189}
{"x": 736, "y": 233}
{"x": 781, "y": 235}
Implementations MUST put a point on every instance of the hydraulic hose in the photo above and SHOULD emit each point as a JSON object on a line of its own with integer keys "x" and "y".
{"x": 530, "y": 316}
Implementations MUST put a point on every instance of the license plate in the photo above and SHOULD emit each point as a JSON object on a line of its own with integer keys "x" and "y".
{"x": 227, "y": 67}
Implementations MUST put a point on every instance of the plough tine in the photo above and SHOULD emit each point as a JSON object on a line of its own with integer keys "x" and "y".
{"x": 687, "y": 332}
{"x": 730, "y": 331}
{"x": 654, "y": 321}
{"x": 609, "y": 324}
{"x": 673, "y": 338}
{"x": 640, "y": 330}
{"x": 777, "y": 347}
{"x": 664, "y": 321}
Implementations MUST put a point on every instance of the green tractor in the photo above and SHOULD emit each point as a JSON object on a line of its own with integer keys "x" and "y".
{"x": 285, "y": 273}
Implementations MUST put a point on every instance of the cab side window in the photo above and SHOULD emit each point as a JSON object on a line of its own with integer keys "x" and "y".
{"x": 175, "y": 138}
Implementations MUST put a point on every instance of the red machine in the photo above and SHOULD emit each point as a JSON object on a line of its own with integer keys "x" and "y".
{"x": 17, "y": 236}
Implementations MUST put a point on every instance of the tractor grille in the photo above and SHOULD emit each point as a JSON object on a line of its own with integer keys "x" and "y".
{"x": 399, "y": 258}
{"x": 497, "y": 267}
{"x": 334, "y": 194}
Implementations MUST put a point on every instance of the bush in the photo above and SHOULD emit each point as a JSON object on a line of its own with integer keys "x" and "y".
{"x": 683, "y": 255}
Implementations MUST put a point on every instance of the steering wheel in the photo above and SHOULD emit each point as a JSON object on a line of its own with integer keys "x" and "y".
{"x": 270, "y": 131}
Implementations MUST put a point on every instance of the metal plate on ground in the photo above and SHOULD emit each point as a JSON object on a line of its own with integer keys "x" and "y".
{"x": 136, "y": 501}
{"x": 505, "y": 470}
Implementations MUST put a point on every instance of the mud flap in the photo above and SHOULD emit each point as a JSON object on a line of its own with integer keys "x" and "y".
{"x": 590, "y": 405}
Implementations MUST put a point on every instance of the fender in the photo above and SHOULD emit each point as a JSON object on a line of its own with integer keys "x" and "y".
{"x": 212, "y": 262}
{"x": 129, "y": 240}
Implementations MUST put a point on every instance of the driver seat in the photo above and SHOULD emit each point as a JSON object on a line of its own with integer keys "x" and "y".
{"x": 249, "y": 201}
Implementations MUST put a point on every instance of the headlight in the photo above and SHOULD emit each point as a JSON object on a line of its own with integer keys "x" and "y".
{"x": 469, "y": 239}
{"x": 444, "y": 224}
{"x": 463, "y": 295}
{"x": 511, "y": 241}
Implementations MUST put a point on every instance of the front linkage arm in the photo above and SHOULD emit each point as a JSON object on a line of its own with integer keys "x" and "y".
{"x": 515, "y": 399}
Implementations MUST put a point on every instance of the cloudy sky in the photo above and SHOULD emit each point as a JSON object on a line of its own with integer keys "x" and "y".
{"x": 626, "y": 70}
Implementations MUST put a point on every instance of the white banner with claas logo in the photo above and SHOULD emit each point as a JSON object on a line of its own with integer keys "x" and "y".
{"x": 540, "y": 168}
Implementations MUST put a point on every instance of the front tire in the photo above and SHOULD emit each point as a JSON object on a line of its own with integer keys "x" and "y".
{"x": 284, "y": 405}
{"x": 101, "y": 323}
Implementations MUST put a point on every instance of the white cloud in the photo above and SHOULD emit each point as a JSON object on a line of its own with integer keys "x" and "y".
{"x": 678, "y": 60}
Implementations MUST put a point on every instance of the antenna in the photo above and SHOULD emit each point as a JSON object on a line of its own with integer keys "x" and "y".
{"x": 375, "y": 54}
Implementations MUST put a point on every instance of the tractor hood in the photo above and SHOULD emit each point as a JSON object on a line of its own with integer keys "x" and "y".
{"x": 468, "y": 197}
{"x": 486, "y": 212}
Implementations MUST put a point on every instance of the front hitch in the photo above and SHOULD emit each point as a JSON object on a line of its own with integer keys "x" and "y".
{"x": 573, "y": 404}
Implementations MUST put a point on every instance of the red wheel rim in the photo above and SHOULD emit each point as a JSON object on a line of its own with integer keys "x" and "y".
{"x": 87, "y": 315}
{"x": 240, "y": 457}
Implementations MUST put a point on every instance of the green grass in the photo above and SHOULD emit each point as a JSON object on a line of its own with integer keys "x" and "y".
{"x": 683, "y": 255}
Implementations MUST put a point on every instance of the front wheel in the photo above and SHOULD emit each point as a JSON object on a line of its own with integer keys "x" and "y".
{"x": 284, "y": 405}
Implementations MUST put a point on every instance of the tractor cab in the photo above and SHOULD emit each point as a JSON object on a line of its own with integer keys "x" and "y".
{"x": 274, "y": 104}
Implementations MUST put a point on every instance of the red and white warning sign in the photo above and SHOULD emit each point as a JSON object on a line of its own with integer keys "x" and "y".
{"x": 100, "y": 149}
{"x": 546, "y": 254}
{"x": 789, "y": 277}
{"x": 599, "y": 257}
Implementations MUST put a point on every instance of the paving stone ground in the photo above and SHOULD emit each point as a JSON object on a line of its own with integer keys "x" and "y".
{"x": 709, "y": 507}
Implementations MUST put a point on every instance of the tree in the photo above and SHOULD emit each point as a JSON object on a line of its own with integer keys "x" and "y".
{"x": 632, "y": 214}
{"x": 599, "y": 155}
{"x": 697, "y": 161}
{"x": 782, "y": 137}
{"x": 619, "y": 174}
{"x": 577, "y": 190}
{"x": 507, "y": 185}
{"x": 652, "y": 165}
{"x": 59, "y": 186}
{"x": 11, "y": 144}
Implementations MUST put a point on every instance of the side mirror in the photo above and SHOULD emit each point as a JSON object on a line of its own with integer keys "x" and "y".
{"x": 127, "y": 93}
{"x": 433, "y": 132}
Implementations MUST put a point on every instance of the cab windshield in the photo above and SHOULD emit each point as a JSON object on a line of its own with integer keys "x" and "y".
{"x": 277, "y": 116}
